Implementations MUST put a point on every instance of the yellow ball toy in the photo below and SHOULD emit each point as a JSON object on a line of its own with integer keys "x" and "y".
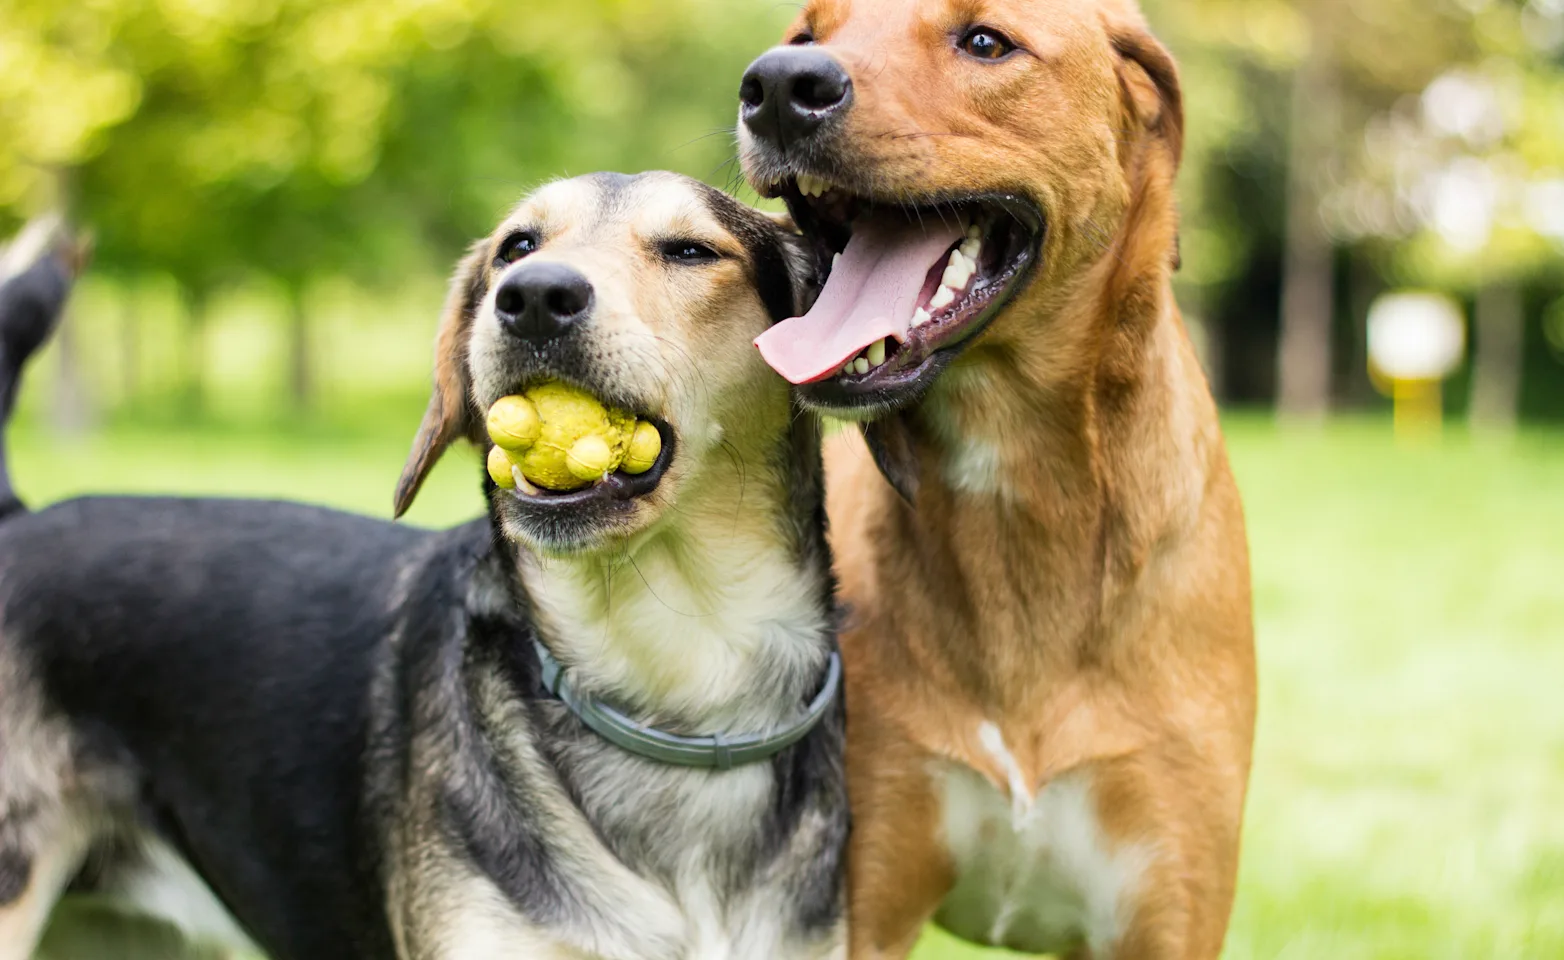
{"x": 561, "y": 437}
{"x": 500, "y": 469}
{"x": 514, "y": 424}
{"x": 645, "y": 445}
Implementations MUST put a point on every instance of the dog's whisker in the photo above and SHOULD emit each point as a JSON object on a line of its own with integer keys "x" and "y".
{"x": 738, "y": 462}
{"x": 655, "y": 596}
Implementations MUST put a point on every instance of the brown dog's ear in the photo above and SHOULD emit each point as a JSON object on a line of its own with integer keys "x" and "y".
{"x": 450, "y": 415}
{"x": 1149, "y": 78}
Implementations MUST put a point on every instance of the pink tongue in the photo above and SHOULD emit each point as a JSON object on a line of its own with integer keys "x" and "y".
{"x": 871, "y": 294}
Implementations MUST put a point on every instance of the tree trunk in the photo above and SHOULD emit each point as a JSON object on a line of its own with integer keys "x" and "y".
{"x": 1308, "y": 275}
{"x": 1496, "y": 369}
{"x": 300, "y": 368}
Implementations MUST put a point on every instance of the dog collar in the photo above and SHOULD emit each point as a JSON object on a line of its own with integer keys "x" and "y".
{"x": 719, "y": 751}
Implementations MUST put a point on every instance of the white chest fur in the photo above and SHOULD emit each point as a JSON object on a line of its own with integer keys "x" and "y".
{"x": 1034, "y": 873}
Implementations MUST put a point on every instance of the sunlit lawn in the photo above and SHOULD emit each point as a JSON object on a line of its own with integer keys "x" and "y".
{"x": 1408, "y": 799}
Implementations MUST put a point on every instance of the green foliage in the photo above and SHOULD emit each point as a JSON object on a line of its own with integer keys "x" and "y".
{"x": 213, "y": 138}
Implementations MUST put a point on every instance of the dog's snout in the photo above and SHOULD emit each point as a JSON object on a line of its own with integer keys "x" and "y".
{"x": 541, "y": 301}
{"x": 789, "y": 93}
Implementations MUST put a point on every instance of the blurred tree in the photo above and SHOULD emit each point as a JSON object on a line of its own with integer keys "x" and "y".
{"x": 1308, "y": 272}
{"x": 1463, "y": 186}
{"x": 295, "y": 139}
{"x": 1344, "y": 85}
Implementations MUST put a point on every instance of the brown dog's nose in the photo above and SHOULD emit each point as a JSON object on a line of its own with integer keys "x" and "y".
{"x": 541, "y": 301}
{"x": 790, "y": 92}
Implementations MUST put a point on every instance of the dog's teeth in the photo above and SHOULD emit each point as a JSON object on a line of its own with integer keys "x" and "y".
{"x": 876, "y": 353}
{"x": 970, "y": 248}
{"x": 811, "y": 186}
{"x": 943, "y": 297}
{"x": 974, "y": 232}
{"x": 860, "y": 366}
{"x": 920, "y": 316}
{"x": 523, "y": 484}
{"x": 958, "y": 272}
{"x": 836, "y": 258}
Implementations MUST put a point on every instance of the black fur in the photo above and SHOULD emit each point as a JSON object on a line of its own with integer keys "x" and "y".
{"x": 226, "y": 649}
{"x": 894, "y": 446}
{"x": 777, "y": 276}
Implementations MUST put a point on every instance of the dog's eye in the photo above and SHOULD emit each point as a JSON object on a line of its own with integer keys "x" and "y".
{"x": 688, "y": 251}
{"x": 986, "y": 43}
{"x": 516, "y": 246}
{"x": 801, "y": 39}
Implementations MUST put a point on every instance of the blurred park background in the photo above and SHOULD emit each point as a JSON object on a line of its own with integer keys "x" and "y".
{"x": 278, "y": 188}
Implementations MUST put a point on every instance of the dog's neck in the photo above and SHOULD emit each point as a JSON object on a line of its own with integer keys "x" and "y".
{"x": 715, "y": 621}
{"x": 1071, "y": 457}
{"x": 1086, "y": 376}
{"x": 1041, "y": 424}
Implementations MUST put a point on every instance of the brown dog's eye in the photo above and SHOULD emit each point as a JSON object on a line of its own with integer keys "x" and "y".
{"x": 801, "y": 39}
{"x": 986, "y": 43}
{"x": 516, "y": 246}
{"x": 688, "y": 251}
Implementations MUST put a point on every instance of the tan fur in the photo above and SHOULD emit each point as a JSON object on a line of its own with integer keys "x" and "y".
{"x": 1092, "y": 601}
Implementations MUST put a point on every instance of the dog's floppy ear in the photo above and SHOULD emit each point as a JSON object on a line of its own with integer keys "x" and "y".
{"x": 1149, "y": 78}
{"x": 799, "y": 259}
{"x": 1154, "y": 105}
{"x": 450, "y": 415}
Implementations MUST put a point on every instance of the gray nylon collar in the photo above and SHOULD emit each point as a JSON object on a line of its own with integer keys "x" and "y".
{"x": 719, "y": 751}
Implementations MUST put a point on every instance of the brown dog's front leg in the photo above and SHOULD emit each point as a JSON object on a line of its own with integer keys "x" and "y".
{"x": 898, "y": 871}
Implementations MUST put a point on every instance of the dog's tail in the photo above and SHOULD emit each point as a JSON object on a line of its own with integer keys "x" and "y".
{"x": 37, "y": 270}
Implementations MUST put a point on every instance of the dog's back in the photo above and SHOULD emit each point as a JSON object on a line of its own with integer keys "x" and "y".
{"x": 134, "y": 617}
{"x": 122, "y": 620}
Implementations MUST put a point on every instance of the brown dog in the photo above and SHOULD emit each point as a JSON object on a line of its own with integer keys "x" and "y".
{"x": 1050, "y": 644}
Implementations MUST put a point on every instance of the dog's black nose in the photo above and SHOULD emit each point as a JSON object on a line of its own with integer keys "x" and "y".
{"x": 540, "y": 301}
{"x": 791, "y": 91}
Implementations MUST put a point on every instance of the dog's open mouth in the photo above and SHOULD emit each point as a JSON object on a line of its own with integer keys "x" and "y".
{"x": 617, "y": 486}
{"x": 906, "y": 286}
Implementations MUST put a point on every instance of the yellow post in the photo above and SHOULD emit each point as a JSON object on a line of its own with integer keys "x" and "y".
{"x": 1419, "y": 408}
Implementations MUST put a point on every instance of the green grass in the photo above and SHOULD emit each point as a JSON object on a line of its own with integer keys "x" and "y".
{"x": 1408, "y": 795}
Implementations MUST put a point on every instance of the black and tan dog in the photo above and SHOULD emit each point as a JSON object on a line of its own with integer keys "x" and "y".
{"x": 342, "y": 729}
{"x": 1051, "y": 657}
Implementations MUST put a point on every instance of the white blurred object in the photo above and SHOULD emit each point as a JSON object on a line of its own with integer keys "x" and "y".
{"x": 1464, "y": 203}
{"x": 1416, "y": 336}
{"x": 1415, "y": 340}
{"x": 1465, "y": 104}
{"x": 1545, "y": 206}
